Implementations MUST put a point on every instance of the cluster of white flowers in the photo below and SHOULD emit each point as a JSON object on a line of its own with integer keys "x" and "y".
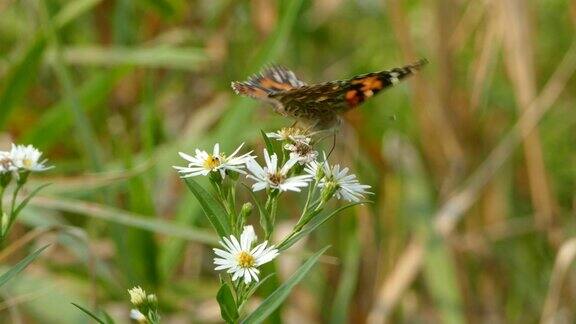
{"x": 22, "y": 158}
{"x": 238, "y": 256}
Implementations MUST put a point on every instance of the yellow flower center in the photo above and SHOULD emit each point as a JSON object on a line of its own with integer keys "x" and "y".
{"x": 287, "y": 132}
{"x": 27, "y": 163}
{"x": 211, "y": 162}
{"x": 245, "y": 260}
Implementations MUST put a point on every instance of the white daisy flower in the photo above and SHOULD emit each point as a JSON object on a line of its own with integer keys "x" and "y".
{"x": 203, "y": 163}
{"x": 6, "y": 164}
{"x": 301, "y": 151}
{"x": 27, "y": 157}
{"x": 274, "y": 177}
{"x": 239, "y": 259}
{"x": 345, "y": 185}
{"x": 294, "y": 134}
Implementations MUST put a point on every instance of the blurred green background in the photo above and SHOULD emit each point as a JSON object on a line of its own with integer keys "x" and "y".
{"x": 111, "y": 90}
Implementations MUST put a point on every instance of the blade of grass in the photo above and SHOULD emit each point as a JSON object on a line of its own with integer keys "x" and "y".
{"x": 88, "y": 142}
{"x": 89, "y": 313}
{"x": 19, "y": 78}
{"x": 189, "y": 59}
{"x": 21, "y": 75}
{"x": 16, "y": 269}
{"x": 118, "y": 216}
{"x": 275, "y": 299}
{"x": 56, "y": 120}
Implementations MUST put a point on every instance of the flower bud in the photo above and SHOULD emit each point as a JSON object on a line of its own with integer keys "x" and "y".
{"x": 246, "y": 210}
{"x": 328, "y": 191}
{"x": 137, "y": 296}
{"x": 152, "y": 300}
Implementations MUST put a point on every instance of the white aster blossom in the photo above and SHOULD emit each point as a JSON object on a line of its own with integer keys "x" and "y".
{"x": 302, "y": 151}
{"x": 203, "y": 163}
{"x": 240, "y": 259}
{"x": 294, "y": 134}
{"x": 6, "y": 164}
{"x": 346, "y": 185}
{"x": 137, "y": 296}
{"x": 27, "y": 157}
{"x": 275, "y": 177}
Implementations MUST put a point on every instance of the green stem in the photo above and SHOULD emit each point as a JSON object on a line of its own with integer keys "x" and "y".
{"x": 307, "y": 204}
{"x": 12, "y": 215}
{"x": 2, "y": 190}
{"x": 271, "y": 210}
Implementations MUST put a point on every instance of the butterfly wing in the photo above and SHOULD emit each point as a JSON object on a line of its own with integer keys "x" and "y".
{"x": 272, "y": 80}
{"x": 339, "y": 96}
{"x": 319, "y": 104}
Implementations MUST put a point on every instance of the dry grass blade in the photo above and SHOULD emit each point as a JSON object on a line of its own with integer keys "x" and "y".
{"x": 519, "y": 59}
{"x": 407, "y": 268}
{"x": 449, "y": 214}
{"x": 565, "y": 258}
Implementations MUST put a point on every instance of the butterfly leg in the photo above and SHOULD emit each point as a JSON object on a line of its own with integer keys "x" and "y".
{"x": 333, "y": 144}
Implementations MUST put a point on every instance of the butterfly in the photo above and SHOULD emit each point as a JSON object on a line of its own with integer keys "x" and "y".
{"x": 318, "y": 105}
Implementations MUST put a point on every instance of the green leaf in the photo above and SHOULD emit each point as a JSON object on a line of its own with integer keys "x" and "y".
{"x": 228, "y": 307}
{"x": 20, "y": 266}
{"x": 253, "y": 288}
{"x": 314, "y": 223}
{"x": 213, "y": 210}
{"x": 18, "y": 79}
{"x": 89, "y": 313}
{"x": 275, "y": 299}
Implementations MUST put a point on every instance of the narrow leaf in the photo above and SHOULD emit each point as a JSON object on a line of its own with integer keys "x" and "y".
{"x": 89, "y": 313}
{"x": 24, "y": 202}
{"x": 314, "y": 223}
{"x": 20, "y": 266}
{"x": 228, "y": 308}
{"x": 269, "y": 145}
{"x": 213, "y": 210}
{"x": 275, "y": 299}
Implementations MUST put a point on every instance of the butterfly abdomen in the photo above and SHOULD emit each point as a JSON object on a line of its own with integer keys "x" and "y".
{"x": 367, "y": 85}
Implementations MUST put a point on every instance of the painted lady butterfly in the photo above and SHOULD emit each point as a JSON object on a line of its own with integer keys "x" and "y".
{"x": 318, "y": 105}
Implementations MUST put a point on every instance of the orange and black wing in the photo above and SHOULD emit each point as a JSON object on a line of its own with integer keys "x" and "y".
{"x": 272, "y": 80}
{"x": 338, "y": 96}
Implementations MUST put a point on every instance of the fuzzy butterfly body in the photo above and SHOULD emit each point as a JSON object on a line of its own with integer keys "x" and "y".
{"x": 318, "y": 105}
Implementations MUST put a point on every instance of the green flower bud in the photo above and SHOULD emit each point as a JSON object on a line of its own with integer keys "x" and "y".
{"x": 246, "y": 210}
{"x": 328, "y": 191}
{"x": 152, "y": 300}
